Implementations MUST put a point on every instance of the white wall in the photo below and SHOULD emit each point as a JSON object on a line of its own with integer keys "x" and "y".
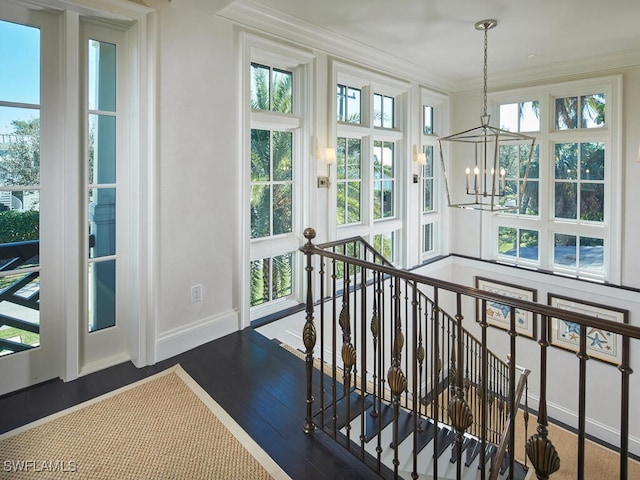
{"x": 603, "y": 380}
{"x": 631, "y": 176}
{"x": 198, "y": 132}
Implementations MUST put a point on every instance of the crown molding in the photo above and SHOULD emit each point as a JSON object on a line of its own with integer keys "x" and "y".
{"x": 592, "y": 66}
{"x": 251, "y": 15}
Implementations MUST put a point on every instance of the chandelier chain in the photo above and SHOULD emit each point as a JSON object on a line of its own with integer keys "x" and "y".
{"x": 484, "y": 99}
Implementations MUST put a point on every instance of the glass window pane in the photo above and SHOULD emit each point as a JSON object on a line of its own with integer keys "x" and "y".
{"x": 427, "y": 237}
{"x": 259, "y": 87}
{"x": 427, "y": 204}
{"x": 427, "y": 120}
{"x": 534, "y": 167}
{"x": 20, "y": 147}
{"x": 282, "y": 209}
{"x": 282, "y": 91}
{"x": 102, "y": 295}
{"x": 427, "y": 168}
{"x": 377, "y": 110}
{"x": 529, "y": 205}
{"x": 566, "y": 161}
{"x": 353, "y": 202}
{"x": 19, "y": 219}
{"x": 281, "y": 276}
{"x": 566, "y": 200}
{"x": 20, "y": 53}
{"x": 388, "y": 159}
{"x": 353, "y": 159}
{"x": 282, "y": 155}
{"x": 592, "y": 161}
{"x": 260, "y": 282}
{"x": 592, "y": 202}
{"x": 102, "y": 76}
{"x": 530, "y": 116}
{"x": 377, "y": 159}
{"x": 260, "y": 211}
{"x": 260, "y": 155}
{"x": 509, "y": 160}
{"x": 528, "y": 244}
{"x": 566, "y": 113}
{"x": 507, "y": 241}
{"x": 354, "y": 105}
{"x": 341, "y": 202}
{"x": 384, "y": 244}
{"x": 102, "y": 222}
{"x": 102, "y": 149}
{"x": 593, "y": 110}
{"x": 341, "y": 108}
{"x": 21, "y": 305}
{"x": 592, "y": 254}
{"x": 341, "y": 158}
{"x": 377, "y": 200}
{"x": 509, "y": 117}
{"x": 388, "y": 112}
{"x": 564, "y": 250}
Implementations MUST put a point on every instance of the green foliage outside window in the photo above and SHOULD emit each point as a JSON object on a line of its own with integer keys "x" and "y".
{"x": 271, "y": 89}
{"x": 19, "y": 226}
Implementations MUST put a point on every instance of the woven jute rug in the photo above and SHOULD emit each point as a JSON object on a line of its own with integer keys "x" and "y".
{"x": 163, "y": 427}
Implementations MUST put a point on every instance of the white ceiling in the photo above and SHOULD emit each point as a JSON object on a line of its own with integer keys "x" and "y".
{"x": 541, "y": 37}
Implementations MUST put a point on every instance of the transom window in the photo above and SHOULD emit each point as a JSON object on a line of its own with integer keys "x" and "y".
{"x": 349, "y": 104}
{"x": 584, "y": 111}
{"x": 383, "y": 111}
{"x": 271, "y": 89}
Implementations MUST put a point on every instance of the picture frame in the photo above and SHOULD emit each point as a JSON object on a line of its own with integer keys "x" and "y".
{"x": 498, "y": 315}
{"x": 601, "y": 345}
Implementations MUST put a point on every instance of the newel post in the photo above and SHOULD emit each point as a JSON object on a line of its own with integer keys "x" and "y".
{"x": 309, "y": 330}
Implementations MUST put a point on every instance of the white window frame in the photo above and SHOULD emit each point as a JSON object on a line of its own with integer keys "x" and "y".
{"x": 546, "y": 138}
{"x": 438, "y": 215}
{"x": 371, "y": 83}
{"x": 265, "y": 52}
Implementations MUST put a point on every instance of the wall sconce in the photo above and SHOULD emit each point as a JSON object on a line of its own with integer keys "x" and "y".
{"x": 638, "y": 154}
{"x": 330, "y": 159}
{"x": 418, "y": 155}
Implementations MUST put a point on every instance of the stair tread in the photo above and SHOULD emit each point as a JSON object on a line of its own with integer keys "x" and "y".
{"x": 356, "y": 405}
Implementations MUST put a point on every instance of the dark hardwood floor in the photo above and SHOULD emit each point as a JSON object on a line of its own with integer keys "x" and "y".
{"x": 261, "y": 385}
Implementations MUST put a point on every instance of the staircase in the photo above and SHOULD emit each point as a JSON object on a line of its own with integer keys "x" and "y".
{"x": 411, "y": 393}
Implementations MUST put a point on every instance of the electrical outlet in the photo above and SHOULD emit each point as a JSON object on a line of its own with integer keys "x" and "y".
{"x": 196, "y": 294}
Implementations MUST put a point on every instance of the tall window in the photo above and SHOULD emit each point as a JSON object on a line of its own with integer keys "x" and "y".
{"x": 369, "y": 137}
{"x": 273, "y": 182}
{"x": 19, "y": 187}
{"x": 431, "y": 119}
{"x": 349, "y": 180}
{"x": 565, "y": 222}
{"x": 383, "y": 180}
{"x": 101, "y": 184}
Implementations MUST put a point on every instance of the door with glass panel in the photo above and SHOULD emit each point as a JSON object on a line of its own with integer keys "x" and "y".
{"x": 62, "y": 283}
{"x": 29, "y": 292}
{"x": 102, "y": 337}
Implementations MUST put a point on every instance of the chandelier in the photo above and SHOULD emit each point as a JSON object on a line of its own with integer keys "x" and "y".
{"x": 487, "y": 184}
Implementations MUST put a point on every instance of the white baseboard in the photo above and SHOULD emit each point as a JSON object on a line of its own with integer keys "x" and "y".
{"x": 599, "y": 430}
{"x": 179, "y": 340}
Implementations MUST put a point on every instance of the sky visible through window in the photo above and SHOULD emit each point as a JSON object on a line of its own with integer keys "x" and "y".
{"x": 20, "y": 75}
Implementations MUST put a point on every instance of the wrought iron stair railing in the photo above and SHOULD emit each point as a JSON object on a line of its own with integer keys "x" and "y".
{"x": 440, "y": 380}
{"x": 19, "y": 291}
